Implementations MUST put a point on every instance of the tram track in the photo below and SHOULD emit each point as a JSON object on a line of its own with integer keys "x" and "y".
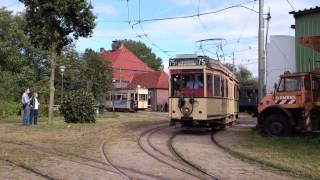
{"x": 62, "y": 156}
{"x": 27, "y": 168}
{"x": 108, "y": 161}
{"x": 175, "y": 152}
{"x": 176, "y": 161}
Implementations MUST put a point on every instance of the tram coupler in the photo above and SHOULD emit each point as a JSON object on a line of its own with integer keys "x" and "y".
{"x": 172, "y": 122}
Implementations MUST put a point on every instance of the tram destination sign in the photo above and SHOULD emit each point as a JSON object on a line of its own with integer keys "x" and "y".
{"x": 187, "y": 62}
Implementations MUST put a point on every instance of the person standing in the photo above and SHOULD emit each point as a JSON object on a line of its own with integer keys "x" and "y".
{"x": 26, "y": 106}
{"x": 34, "y": 109}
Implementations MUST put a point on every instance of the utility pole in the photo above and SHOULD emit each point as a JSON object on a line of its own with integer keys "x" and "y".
{"x": 266, "y": 43}
{"x": 261, "y": 54}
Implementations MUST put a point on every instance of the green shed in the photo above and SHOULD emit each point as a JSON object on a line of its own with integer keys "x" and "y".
{"x": 307, "y": 23}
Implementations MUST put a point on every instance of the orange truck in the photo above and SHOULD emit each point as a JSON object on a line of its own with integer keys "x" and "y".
{"x": 295, "y": 103}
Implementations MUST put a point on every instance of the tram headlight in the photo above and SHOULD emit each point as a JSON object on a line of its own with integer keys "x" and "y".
{"x": 186, "y": 110}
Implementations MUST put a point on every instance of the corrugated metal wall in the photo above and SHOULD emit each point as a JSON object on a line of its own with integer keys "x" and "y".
{"x": 307, "y": 25}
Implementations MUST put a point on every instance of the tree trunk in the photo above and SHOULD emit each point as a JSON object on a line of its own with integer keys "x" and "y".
{"x": 52, "y": 89}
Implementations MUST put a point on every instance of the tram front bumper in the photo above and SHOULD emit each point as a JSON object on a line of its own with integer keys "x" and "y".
{"x": 182, "y": 120}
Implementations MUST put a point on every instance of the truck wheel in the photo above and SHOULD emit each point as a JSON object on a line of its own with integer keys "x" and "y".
{"x": 277, "y": 125}
{"x": 315, "y": 119}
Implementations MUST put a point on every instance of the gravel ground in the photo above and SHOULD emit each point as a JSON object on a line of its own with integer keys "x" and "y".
{"x": 114, "y": 146}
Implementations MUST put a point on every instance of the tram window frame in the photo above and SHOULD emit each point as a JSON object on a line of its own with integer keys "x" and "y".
{"x": 222, "y": 88}
{"x": 142, "y": 97}
{"x": 235, "y": 92}
{"x": 227, "y": 88}
{"x": 217, "y": 85}
{"x": 124, "y": 97}
{"x": 209, "y": 85}
{"x": 180, "y": 83}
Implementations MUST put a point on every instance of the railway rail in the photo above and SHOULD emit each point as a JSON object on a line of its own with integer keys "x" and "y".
{"x": 174, "y": 160}
{"x": 63, "y": 155}
{"x": 108, "y": 161}
{"x": 29, "y": 169}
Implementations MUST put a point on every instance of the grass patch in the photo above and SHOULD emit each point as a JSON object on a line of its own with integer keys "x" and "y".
{"x": 300, "y": 156}
{"x": 18, "y": 119}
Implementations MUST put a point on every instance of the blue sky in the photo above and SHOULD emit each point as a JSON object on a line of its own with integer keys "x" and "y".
{"x": 238, "y": 26}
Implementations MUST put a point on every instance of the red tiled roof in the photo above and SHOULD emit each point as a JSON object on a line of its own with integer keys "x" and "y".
{"x": 125, "y": 64}
{"x": 151, "y": 80}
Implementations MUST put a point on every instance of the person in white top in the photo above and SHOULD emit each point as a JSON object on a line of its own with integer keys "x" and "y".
{"x": 194, "y": 82}
{"x": 34, "y": 109}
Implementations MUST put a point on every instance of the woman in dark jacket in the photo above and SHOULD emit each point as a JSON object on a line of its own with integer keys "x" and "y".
{"x": 34, "y": 109}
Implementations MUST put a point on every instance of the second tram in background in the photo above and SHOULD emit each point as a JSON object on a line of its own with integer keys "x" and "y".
{"x": 249, "y": 99}
{"x": 128, "y": 100}
{"x": 203, "y": 92}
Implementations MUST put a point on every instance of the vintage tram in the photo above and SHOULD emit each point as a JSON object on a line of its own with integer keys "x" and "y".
{"x": 203, "y": 92}
{"x": 128, "y": 100}
{"x": 248, "y": 99}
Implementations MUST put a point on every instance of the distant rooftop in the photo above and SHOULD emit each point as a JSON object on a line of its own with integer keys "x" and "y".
{"x": 305, "y": 11}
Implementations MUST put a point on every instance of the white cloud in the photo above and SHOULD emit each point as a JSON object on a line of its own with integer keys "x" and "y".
{"x": 228, "y": 24}
{"x": 104, "y": 9}
{"x": 12, "y": 5}
{"x": 180, "y": 35}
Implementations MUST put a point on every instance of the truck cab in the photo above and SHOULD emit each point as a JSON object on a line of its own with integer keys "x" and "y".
{"x": 293, "y": 106}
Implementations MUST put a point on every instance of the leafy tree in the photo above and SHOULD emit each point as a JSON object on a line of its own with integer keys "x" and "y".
{"x": 97, "y": 74}
{"x": 245, "y": 77}
{"x": 78, "y": 107}
{"x": 52, "y": 25}
{"x": 243, "y": 74}
{"x": 142, "y": 51}
{"x": 18, "y": 66}
{"x": 230, "y": 66}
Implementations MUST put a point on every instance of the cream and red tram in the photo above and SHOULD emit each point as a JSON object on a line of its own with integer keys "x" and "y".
{"x": 203, "y": 92}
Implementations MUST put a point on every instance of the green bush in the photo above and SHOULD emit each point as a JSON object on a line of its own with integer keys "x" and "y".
{"x": 78, "y": 106}
{"x": 9, "y": 109}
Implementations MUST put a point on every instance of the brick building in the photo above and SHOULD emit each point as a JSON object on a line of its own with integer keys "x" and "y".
{"x": 129, "y": 72}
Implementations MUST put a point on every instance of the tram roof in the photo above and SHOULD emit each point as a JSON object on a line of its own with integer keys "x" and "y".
{"x": 193, "y": 61}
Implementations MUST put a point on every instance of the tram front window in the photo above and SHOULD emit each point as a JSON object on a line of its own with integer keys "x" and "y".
{"x": 187, "y": 84}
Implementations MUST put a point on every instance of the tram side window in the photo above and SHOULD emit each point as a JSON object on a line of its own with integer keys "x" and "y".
{"x": 217, "y": 89}
{"x": 209, "y": 85}
{"x": 236, "y": 95}
{"x": 142, "y": 97}
{"x": 124, "y": 97}
{"x": 227, "y": 88}
{"x": 222, "y": 87}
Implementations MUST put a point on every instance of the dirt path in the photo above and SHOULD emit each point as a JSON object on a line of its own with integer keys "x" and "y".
{"x": 216, "y": 161}
{"x": 113, "y": 151}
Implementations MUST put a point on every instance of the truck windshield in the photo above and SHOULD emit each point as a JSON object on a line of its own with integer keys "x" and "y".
{"x": 290, "y": 84}
{"x": 187, "y": 84}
